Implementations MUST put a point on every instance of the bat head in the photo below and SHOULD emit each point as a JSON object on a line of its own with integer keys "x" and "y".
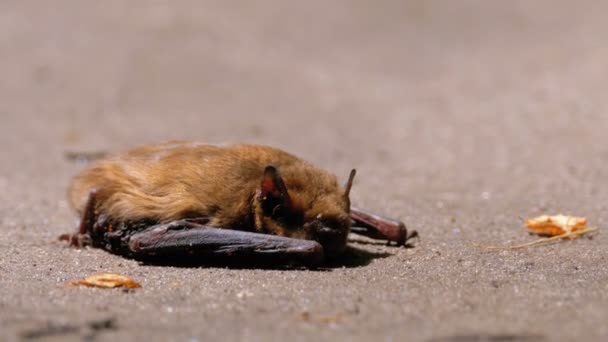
{"x": 315, "y": 209}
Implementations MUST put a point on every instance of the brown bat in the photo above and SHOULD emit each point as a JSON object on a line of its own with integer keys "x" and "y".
{"x": 187, "y": 202}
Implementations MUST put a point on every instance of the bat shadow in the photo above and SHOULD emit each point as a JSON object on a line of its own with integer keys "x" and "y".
{"x": 352, "y": 257}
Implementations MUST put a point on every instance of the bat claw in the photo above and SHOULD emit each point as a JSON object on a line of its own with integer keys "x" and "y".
{"x": 411, "y": 235}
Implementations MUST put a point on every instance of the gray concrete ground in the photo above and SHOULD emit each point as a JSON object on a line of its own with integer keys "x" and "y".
{"x": 461, "y": 117}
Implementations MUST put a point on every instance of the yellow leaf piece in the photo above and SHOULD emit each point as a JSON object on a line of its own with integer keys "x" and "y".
{"x": 106, "y": 281}
{"x": 554, "y": 228}
{"x": 556, "y": 225}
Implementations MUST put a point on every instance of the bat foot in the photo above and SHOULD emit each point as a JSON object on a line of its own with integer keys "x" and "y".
{"x": 76, "y": 240}
{"x": 82, "y": 238}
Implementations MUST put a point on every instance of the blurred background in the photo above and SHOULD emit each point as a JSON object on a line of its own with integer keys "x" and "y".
{"x": 461, "y": 116}
{"x": 431, "y": 95}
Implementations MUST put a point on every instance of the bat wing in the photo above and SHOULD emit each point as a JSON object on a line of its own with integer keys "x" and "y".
{"x": 186, "y": 242}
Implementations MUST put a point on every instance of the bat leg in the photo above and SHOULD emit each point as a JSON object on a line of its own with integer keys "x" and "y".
{"x": 185, "y": 241}
{"x": 81, "y": 238}
{"x": 381, "y": 228}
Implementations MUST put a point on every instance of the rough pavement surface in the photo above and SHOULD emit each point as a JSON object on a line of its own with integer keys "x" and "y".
{"x": 461, "y": 117}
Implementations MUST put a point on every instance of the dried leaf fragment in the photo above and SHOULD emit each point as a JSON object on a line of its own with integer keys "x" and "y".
{"x": 556, "y": 225}
{"x": 554, "y": 228}
{"x": 106, "y": 281}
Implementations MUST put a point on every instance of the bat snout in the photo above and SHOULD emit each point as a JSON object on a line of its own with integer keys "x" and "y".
{"x": 332, "y": 239}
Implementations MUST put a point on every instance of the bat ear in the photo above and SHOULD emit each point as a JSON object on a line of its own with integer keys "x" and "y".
{"x": 349, "y": 183}
{"x": 272, "y": 186}
{"x": 348, "y": 186}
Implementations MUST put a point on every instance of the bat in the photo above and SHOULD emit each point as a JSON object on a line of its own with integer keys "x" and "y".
{"x": 188, "y": 202}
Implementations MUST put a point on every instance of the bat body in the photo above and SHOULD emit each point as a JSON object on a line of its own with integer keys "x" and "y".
{"x": 196, "y": 202}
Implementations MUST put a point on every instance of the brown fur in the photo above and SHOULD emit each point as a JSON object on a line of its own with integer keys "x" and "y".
{"x": 175, "y": 180}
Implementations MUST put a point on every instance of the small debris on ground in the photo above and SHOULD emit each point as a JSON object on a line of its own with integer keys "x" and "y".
{"x": 326, "y": 319}
{"x": 244, "y": 294}
{"x": 84, "y": 156}
{"x": 553, "y": 228}
{"x": 106, "y": 281}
